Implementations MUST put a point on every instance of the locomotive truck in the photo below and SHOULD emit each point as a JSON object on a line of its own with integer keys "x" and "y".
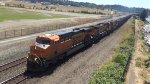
{"x": 49, "y": 48}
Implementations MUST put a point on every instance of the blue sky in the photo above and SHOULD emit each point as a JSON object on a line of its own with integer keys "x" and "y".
{"x": 129, "y": 3}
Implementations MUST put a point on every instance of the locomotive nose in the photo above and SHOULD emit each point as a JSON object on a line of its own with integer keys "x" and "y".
{"x": 34, "y": 63}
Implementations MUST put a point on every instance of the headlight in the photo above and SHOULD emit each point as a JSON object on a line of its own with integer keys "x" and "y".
{"x": 35, "y": 59}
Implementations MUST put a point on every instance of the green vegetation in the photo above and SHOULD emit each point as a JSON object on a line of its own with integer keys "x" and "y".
{"x": 85, "y": 12}
{"x": 138, "y": 62}
{"x": 146, "y": 59}
{"x": 113, "y": 72}
{"x": 147, "y": 63}
{"x": 144, "y": 14}
{"x": 11, "y": 14}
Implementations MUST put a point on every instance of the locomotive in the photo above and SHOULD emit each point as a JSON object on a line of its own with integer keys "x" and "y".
{"x": 49, "y": 48}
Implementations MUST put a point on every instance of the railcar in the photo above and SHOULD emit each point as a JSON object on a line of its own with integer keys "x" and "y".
{"x": 49, "y": 48}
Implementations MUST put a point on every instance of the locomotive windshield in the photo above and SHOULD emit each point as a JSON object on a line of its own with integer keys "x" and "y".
{"x": 42, "y": 41}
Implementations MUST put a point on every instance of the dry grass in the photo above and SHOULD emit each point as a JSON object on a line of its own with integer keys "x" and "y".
{"x": 41, "y": 27}
{"x": 127, "y": 29}
{"x": 142, "y": 73}
{"x": 56, "y": 7}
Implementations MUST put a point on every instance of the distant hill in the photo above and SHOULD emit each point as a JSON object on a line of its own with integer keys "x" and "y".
{"x": 45, "y": 0}
{"x": 91, "y": 5}
{"x": 123, "y": 8}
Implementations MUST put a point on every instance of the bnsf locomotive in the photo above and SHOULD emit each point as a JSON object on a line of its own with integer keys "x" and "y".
{"x": 48, "y": 48}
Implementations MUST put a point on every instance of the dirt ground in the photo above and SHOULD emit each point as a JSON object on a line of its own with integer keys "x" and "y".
{"x": 79, "y": 68}
{"x": 133, "y": 72}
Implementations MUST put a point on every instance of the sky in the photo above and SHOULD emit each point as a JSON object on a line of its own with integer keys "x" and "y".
{"x": 129, "y": 3}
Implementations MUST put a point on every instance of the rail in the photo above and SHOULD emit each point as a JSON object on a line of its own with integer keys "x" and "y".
{"x": 12, "y": 64}
{"x": 16, "y": 79}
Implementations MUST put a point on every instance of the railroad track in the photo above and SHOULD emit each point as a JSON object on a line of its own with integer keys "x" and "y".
{"x": 16, "y": 79}
{"x": 12, "y": 64}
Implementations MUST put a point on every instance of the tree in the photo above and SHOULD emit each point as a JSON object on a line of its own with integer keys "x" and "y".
{"x": 144, "y": 14}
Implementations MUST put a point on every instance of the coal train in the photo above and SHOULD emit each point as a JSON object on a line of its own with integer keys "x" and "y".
{"x": 49, "y": 48}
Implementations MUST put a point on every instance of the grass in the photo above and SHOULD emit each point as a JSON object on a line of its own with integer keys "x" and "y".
{"x": 127, "y": 27}
{"x": 113, "y": 71}
{"x": 142, "y": 57}
{"x": 138, "y": 62}
{"x": 143, "y": 60}
{"x": 11, "y": 14}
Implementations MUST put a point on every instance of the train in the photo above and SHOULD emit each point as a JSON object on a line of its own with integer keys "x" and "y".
{"x": 49, "y": 48}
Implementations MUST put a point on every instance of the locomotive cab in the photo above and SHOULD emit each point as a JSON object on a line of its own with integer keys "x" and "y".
{"x": 43, "y": 41}
{"x": 38, "y": 51}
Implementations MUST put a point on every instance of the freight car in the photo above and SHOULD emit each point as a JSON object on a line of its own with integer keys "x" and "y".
{"x": 48, "y": 48}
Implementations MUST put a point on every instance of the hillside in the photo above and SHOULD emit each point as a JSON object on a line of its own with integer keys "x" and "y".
{"x": 91, "y": 5}
{"x": 124, "y": 8}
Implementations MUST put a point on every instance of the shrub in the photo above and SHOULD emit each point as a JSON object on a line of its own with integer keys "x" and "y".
{"x": 147, "y": 63}
{"x": 113, "y": 72}
{"x": 109, "y": 74}
{"x": 138, "y": 62}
